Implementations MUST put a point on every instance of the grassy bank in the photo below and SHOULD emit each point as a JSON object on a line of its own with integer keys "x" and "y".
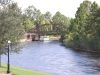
{"x": 22, "y": 40}
{"x": 20, "y": 71}
{"x": 54, "y": 38}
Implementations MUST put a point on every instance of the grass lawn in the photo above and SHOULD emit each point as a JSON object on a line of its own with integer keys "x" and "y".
{"x": 22, "y": 40}
{"x": 54, "y": 36}
{"x": 20, "y": 71}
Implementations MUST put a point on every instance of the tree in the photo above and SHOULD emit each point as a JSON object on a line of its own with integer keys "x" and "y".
{"x": 60, "y": 19}
{"x": 57, "y": 18}
{"x": 77, "y": 32}
{"x": 11, "y": 27}
{"x": 93, "y": 27}
{"x": 46, "y": 20}
{"x": 28, "y": 24}
{"x": 5, "y": 2}
{"x": 47, "y": 16}
{"x": 34, "y": 13}
{"x": 30, "y": 11}
{"x": 81, "y": 19}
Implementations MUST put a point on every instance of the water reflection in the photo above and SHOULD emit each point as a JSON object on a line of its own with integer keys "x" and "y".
{"x": 53, "y": 58}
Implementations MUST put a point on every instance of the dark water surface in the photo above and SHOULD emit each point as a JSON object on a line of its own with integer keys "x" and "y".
{"x": 51, "y": 57}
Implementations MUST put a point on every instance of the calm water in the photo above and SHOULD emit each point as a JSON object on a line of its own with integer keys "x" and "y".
{"x": 51, "y": 57}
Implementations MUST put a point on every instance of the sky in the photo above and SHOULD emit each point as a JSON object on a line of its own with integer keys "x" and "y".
{"x": 65, "y": 7}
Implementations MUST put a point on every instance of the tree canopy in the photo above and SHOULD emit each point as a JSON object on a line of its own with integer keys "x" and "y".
{"x": 84, "y": 29}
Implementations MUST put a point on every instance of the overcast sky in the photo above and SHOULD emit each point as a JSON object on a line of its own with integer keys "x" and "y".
{"x": 66, "y": 7}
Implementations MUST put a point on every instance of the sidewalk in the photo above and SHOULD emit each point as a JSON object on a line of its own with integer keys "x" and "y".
{"x": 4, "y": 73}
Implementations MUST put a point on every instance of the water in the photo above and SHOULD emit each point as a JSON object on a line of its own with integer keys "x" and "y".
{"x": 51, "y": 57}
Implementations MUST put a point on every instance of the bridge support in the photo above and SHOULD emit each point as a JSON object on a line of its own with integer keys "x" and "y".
{"x": 36, "y": 38}
{"x": 29, "y": 36}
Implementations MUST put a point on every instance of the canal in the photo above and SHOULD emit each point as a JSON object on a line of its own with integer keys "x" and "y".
{"x": 51, "y": 57}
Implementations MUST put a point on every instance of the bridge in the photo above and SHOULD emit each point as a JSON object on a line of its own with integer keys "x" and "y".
{"x": 46, "y": 29}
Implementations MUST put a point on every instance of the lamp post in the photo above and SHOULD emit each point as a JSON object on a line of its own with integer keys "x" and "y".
{"x": 8, "y": 65}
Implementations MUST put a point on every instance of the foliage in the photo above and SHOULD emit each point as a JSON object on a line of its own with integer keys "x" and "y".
{"x": 78, "y": 24}
{"x": 11, "y": 27}
{"x": 45, "y": 22}
{"x": 10, "y": 24}
{"x": 84, "y": 30}
{"x": 47, "y": 16}
{"x": 34, "y": 13}
{"x": 28, "y": 24}
{"x": 93, "y": 27}
{"x": 58, "y": 18}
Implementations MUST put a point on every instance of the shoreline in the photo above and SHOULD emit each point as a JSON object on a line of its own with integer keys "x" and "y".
{"x": 51, "y": 39}
{"x": 20, "y": 71}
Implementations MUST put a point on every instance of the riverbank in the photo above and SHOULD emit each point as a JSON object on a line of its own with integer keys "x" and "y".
{"x": 20, "y": 71}
{"x": 52, "y": 38}
{"x": 82, "y": 49}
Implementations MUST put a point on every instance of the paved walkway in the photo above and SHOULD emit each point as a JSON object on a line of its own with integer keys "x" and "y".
{"x": 4, "y": 73}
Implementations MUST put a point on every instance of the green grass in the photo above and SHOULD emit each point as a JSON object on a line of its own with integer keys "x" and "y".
{"x": 22, "y": 40}
{"x": 20, "y": 71}
{"x": 54, "y": 36}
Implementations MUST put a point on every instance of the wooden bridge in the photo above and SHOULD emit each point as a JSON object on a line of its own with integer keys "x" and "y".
{"x": 46, "y": 29}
